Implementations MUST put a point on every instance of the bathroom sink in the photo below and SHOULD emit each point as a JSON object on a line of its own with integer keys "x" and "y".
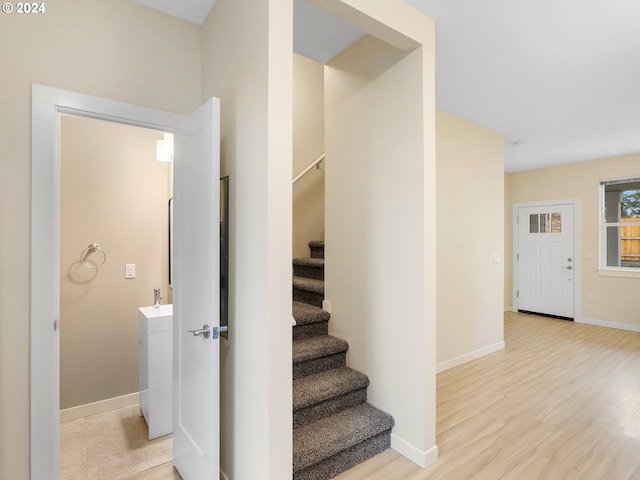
{"x": 157, "y": 319}
{"x": 153, "y": 312}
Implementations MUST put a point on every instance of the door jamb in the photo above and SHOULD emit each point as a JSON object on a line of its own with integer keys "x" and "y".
{"x": 47, "y": 104}
{"x": 576, "y": 202}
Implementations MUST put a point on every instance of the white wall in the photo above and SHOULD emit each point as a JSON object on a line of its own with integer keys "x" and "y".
{"x": 470, "y": 230}
{"x": 308, "y": 144}
{"x": 380, "y": 215}
{"x": 247, "y": 62}
{"x": 114, "y": 49}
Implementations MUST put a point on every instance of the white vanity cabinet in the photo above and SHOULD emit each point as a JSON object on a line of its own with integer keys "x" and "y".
{"x": 155, "y": 341}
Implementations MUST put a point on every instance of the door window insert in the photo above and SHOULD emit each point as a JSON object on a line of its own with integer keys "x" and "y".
{"x": 545, "y": 223}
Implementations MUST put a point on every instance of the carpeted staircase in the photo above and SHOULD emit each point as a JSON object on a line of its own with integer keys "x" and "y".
{"x": 334, "y": 428}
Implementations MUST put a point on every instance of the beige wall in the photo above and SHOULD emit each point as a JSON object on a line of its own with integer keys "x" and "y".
{"x": 113, "y": 192}
{"x": 247, "y": 62}
{"x": 308, "y": 144}
{"x": 470, "y": 225}
{"x": 115, "y": 49}
{"x": 615, "y": 299}
{"x": 380, "y": 206}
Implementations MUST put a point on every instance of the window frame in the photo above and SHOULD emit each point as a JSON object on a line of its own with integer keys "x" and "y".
{"x": 603, "y": 268}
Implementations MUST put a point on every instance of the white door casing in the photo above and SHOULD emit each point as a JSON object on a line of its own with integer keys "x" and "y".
{"x": 196, "y": 210}
{"x": 545, "y": 265}
{"x": 47, "y": 104}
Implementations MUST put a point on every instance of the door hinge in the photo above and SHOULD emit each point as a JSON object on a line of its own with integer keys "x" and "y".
{"x": 517, "y": 218}
{"x": 55, "y": 325}
{"x": 517, "y": 256}
{"x": 517, "y": 293}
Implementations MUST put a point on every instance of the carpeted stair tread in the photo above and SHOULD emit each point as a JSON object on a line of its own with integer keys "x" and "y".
{"x": 304, "y": 314}
{"x": 317, "y": 249}
{"x": 317, "y": 347}
{"x": 325, "y": 385}
{"x": 324, "y": 438}
{"x": 309, "y": 262}
{"x": 308, "y": 284}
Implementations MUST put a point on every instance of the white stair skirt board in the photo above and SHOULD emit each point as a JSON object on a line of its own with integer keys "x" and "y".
{"x": 420, "y": 458}
{"x": 102, "y": 406}
{"x": 603, "y": 323}
{"x": 467, "y": 357}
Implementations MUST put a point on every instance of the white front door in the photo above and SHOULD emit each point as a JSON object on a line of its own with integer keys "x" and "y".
{"x": 545, "y": 259}
{"x": 195, "y": 280}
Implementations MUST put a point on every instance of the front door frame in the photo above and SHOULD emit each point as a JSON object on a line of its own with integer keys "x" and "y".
{"x": 577, "y": 312}
{"x": 47, "y": 105}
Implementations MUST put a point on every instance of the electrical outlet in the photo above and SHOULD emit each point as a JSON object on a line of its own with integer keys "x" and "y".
{"x": 326, "y": 306}
{"x": 589, "y": 297}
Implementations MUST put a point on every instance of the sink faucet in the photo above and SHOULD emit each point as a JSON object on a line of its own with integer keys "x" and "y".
{"x": 156, "y": 297}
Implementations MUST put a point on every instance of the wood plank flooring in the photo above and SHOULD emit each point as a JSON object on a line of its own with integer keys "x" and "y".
{"x": 562, "y": 401}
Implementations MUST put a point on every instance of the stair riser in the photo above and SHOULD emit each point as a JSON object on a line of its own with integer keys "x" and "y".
{"x": 307, "y": 415}
{"x": 346, "y": 459}
{"x": 312, "y": 298}
{"x": 310, "y": 330}
{"x": 317, "y": 365}
{"x": 317, "y": 252}
{"x": 308, "y": 272}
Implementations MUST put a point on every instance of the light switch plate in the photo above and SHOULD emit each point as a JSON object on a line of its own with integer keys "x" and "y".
{"x": 130, "y": 270}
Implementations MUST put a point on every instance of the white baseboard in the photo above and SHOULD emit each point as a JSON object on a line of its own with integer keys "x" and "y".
{"x": 420, "y": 458}
{"x": 467, "y": 357}
{"x": 604, "y": 323}
{"x": 99, "y": 407}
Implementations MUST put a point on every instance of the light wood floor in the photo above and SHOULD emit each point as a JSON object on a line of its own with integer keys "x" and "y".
{"x": 562, "y": 401}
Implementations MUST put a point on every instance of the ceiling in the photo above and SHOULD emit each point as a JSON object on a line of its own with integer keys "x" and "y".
{"x": 560, "y": 80}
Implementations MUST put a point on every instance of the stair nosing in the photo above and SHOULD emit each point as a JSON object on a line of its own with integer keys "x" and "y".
{"x": 308, "y": 284}
{"x": 309, "y": 262}
{"x": 305, "y": 313}
{"x": 332, "y": 439}
{"x": 328, "y": 346}
{"x": 327, "y": 385}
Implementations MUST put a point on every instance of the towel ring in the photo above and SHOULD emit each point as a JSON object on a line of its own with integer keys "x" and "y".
{"x": 92, "y": 248}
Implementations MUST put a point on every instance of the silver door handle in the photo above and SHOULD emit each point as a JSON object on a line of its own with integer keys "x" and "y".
{"x": 205, "y": 331}
{"x": 569, "y": 267}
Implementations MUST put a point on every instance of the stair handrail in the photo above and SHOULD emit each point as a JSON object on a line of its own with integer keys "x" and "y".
{"x": 306, "y": 170}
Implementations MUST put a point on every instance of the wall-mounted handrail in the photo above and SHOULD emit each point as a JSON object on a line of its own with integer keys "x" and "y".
{"x": 306, "y": 170}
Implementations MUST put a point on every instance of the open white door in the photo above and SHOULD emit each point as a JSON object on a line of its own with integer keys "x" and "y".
{"x": 196, "y": 309}
{"x": 546, "y": 261}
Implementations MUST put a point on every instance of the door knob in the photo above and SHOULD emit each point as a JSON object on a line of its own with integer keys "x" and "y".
{"x": 205, "y": 331}
{"x": 569, "y": 267}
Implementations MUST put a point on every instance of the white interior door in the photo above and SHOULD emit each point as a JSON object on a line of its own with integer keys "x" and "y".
{"x": 195, "y": 282}
{"x": 545, "y": 259}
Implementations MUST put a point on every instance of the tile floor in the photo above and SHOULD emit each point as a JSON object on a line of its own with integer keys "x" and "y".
{"x": 110, "y": 446}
